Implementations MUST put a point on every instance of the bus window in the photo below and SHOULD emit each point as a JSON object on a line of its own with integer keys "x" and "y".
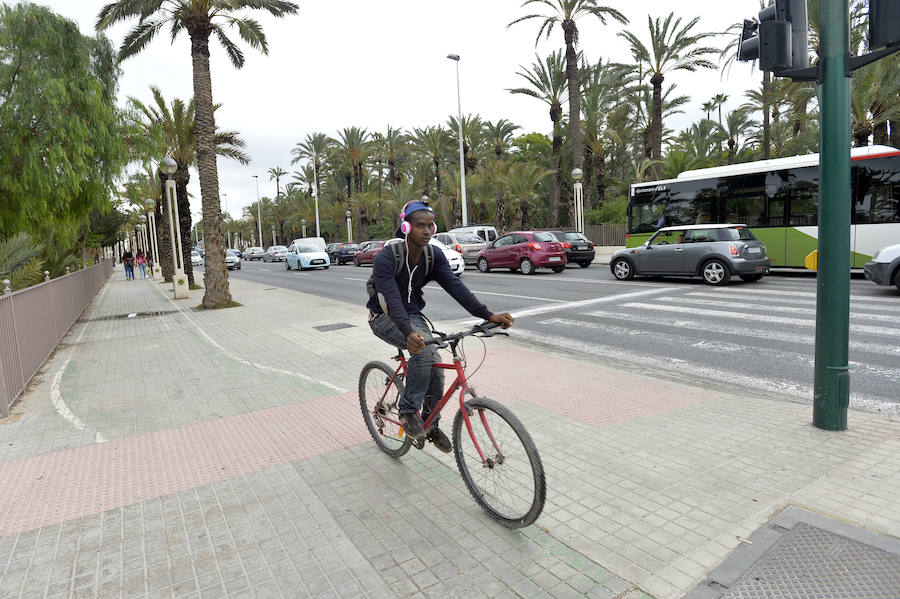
{"x": 744, "y": 200}
{"x": 775, "y": 212}
{"x": 805, "y": 197}
{"x": 880, "y": 203}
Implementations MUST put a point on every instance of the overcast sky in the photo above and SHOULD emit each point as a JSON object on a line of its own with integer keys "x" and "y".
{"x": 339, "y": 63}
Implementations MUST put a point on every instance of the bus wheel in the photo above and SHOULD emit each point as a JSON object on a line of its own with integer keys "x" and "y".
{"x": 715, "y": 272}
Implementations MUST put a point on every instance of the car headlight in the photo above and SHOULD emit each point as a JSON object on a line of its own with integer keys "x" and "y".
{"x": 876, "y": 254}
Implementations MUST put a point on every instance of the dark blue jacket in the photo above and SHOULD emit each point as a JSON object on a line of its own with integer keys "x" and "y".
{"x": 403, "y": 300}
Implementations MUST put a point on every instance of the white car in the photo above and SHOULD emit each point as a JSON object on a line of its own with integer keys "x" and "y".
{"x": 196, "y": 258}
{"x": 456, "y": 260}
{"x": 305, "y": 254}
{"x": 232, "y": 261}
{"x": 884, "y": 267}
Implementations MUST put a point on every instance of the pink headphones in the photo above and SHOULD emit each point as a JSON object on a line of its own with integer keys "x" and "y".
{"x": 405, "y": 227}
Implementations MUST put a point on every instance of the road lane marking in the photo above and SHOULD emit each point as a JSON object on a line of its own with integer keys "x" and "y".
{"x": 855, "y": 303}
{"x": 802, "y": 322}
{"x": 590, "y": 302}
{"x": 792, "y": 309}
{"x": 804, "y": 294}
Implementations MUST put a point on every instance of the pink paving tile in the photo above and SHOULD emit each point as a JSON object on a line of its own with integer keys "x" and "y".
{"x": 68, "y": 484}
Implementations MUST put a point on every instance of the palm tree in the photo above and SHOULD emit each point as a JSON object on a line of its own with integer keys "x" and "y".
{"x": 874, "y": 101}
{"x": 432, "y": 143}
{"x": 737, "y": 124}
{"x": 708, "y": 107}
{"x": 176, "y": 130}
{"x": 548, "y": 83}
{"x": 499, "y": 136}
{"x": 314, "y": 148}
{"x": 200, "y": 18}
{"x": 472, "y": 138}
{"x": 672, "y": 48}
{"x": 521, "y": 181}
{"x": 276, "y": 172}
{"x": 565, "y": 13}
{"x": 718, "y": 101}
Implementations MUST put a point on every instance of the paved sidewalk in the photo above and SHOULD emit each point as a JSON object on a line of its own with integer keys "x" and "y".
{"x": 167, "y": 451}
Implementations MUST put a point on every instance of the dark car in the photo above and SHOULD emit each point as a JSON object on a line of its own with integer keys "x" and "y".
{"x": 339, "y": 253}
{"x": 525, "y": 251}
{"x": 579, "y": 249}
{"x": 366, "y": 252}
{"x": 237, "y": 252}
{"x": 713, "y": 252}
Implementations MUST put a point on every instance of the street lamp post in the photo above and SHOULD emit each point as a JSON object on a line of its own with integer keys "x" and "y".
{"x": 273, "y": 235}
{"x": 578, "y": 197}
{"x": 303, "y": 226}
{"x": 316, "y": 192}
{"x": 348, "y": 214}
{"x": 462, "y": 164}
{"x": 168, "y": 166}
{"x": 258, "y": 217}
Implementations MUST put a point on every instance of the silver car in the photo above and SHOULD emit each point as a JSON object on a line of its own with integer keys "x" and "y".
{"x": 467, "y": 244}
{"x": 713, "y": 252}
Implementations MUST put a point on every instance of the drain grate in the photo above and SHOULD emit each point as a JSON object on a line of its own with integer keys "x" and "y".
{"x": 333, "y": 327}
{"x": 802, "y": 555}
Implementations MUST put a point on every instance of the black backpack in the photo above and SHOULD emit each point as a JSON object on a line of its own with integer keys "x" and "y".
{"x": 399, "y": 250}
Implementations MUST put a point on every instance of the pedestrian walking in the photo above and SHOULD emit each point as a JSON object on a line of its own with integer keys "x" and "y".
{"x": 142, "y": 263}
{"x": 128, "y": 261}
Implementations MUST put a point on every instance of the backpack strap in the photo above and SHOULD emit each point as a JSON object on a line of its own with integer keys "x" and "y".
{"x": 429, "y": 259}
{"x": 399, "y": 256}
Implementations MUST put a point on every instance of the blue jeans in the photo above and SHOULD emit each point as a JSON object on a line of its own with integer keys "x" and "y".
{"x": 424, "y": 384}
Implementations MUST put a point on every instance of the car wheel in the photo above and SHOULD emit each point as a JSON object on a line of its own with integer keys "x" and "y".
{"x": 356, "y": 262}
{"x": 326, "y": 268}
{"x": 558, "y": 268}
{"x": 751, "y": 277}
{"x": 622, "y": 270}
{"x": 584, "y": 264}
{"x": 715, "y": 272}
{"x": 897, "y": 279}
{"x": 483, "y": 265}
{"x": 287, "y": 265}
{"x": 239, "y": 266}
{"x": 526, "y": 266}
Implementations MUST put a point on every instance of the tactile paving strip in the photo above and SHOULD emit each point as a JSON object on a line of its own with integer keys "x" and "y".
{"x": 810, "y": 562}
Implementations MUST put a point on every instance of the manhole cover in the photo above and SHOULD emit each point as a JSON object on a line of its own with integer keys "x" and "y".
{"x": 801, "y": 555}
{"x": 333, "y": 327}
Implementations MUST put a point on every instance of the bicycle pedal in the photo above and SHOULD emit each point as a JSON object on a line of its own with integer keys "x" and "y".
{"x": 418, "y": 443}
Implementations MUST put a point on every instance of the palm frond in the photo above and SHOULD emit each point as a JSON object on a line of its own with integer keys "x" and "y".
{"x": 234, "y": 53}
{"x": 122, "y": 10}
{"x": 142, "y": 34}
{"x": 251, "y": 32}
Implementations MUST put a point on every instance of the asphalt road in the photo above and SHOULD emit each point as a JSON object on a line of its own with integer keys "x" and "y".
{"x": 755, "y": 336}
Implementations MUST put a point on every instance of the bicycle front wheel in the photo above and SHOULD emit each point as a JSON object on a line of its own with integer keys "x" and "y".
{"x": 509, "y": 482}
{"x": 379, "y": 398}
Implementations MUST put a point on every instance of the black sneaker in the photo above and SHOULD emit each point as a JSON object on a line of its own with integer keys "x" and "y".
{"x": 440, "y": 440}
{"x": 412, "y": 424}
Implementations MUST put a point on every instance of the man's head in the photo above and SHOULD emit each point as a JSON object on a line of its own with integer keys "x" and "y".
{"x": 418, "y": 225}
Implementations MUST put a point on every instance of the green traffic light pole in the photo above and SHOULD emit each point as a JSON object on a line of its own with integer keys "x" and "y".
{"x": 831, "y": 395}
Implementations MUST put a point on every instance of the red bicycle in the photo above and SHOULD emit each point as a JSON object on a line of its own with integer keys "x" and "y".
{"x": 497, "y": 458}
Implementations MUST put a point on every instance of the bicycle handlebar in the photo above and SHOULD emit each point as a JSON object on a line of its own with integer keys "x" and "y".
{"x": 443, "y": 338}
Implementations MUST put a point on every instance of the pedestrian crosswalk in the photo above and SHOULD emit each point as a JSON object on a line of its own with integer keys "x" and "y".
{"x": 760, "y": 337}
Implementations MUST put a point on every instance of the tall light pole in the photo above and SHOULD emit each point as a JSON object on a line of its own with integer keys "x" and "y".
{"x": 578, "y": 197}
{"x": 168, "y": 166}
{"x": 348, "y": 214}
{"x": 258, "y": 217}
{"x": 316, "y": 191}
{"x": 154, "y": 244}
{"x": 303, "y": 224}
{"x": 273, "y": 235}
{"x": 462, "y": 164}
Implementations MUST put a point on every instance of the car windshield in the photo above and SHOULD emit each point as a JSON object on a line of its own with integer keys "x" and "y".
{"x": 736, "y": 234}
{"x": 467, "y": 238}
{"x": 230, "y": 253}
{"x": 278, "y": 248}
{"x": 306, "y": 249}
{"x": 195, "y": 253}
{"x": 570, "y": 236}
{"x": 545, "y": 237}
{"x": 437, "y": 243}
{"x": 349, "y": 246}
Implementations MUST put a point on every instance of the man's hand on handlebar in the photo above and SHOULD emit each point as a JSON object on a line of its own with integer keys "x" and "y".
{"x": 504, "y": 319}
{"x": 415, "y": 342}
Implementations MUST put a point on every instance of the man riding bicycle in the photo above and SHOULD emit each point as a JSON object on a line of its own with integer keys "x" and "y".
{"x": 395, "y": 314}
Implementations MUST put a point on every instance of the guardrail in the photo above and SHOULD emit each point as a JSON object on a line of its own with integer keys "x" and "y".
{"x": 35, "y": 319}
{"x": 606, "y": 234}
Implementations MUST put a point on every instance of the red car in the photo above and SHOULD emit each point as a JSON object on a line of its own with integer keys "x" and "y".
{"x": 524, "y": 251}
{"x": 366, "y": 252}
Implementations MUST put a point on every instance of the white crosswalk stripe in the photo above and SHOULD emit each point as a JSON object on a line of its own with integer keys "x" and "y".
{"x": 890, "y": 318}
{"x": 745, "y": 300}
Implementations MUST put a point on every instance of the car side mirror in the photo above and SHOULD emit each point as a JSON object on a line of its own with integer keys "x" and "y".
{"x": 647, "y": 244}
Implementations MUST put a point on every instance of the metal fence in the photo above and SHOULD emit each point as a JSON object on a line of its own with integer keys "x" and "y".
{"x": 606, "y": 234}
{"x": 35, "y": 319}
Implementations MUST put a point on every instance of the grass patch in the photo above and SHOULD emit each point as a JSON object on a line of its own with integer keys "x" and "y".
{"x": 195, "y": 286}
{"x": 231, "y": 304}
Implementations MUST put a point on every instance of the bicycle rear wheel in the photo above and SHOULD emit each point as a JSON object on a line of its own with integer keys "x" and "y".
{"x": 379, "y": 397}
{"x": 509, "y": 485}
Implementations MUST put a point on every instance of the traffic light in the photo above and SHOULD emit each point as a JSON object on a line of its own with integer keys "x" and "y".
{"x": 884, "y": 23}
{"x": 778, "y": 40}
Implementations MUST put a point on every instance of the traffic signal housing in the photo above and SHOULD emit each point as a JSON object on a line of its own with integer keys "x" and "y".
{"x": 778, "y": 40}
{"x": 884, "y": 24}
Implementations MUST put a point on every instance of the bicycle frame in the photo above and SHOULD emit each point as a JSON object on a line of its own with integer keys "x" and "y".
{"x": 459, "y": 383}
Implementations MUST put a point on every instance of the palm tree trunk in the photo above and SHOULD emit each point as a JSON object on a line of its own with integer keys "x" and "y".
{"x": 767, "y": 126}
{"x": 569, "y": 31}
{"x": 860, "y": 133}
{"x": 656, "y": 121}
{"x": 501, "y": 211}
{"x": 588, "y": 193}
{"x": 600, "y": 179}
{"x": 555, "y": 182}
{"x": 182, "y": 176}
{"x": 215, "y": 278}
{"x": 526, "y": 219}
{"x": 880, "y": 133}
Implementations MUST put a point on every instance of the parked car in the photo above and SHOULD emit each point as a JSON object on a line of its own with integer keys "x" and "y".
{"x": 579, "y": 249}
{"x": 525, "y": 251}
{"x": 196, "y": 258}
{"x": 231, "y": 260}
{"x": 487, "y": 232}
{"x": 339, "y": 253}
{"x": 467, "y": 244}
{"x": 275, "y": 253}
{"x": 884, "y": 267}
{"x": 305, "y": 254}
{"x": 237, "y": 252}
{"x": 254, "y": 253}
{"x": 454, "y": 258}
{"x": 366, "y": 252}
{"x": 318, "y": 242}
{"x": 713, "y": 252}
